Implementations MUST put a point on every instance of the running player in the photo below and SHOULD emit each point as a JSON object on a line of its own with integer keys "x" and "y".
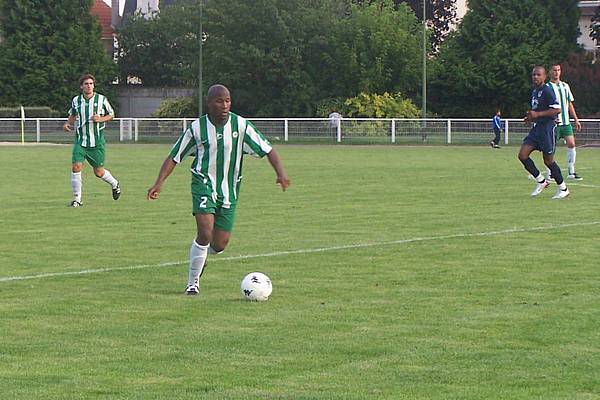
{"x": 218, "y": 140}
{"x": 565, "y": 98}
{"x": 544, "y": 108}
{"x": 91, "y": 111}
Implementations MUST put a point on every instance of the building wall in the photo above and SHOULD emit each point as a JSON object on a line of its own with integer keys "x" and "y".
{"x": 140, "y": 102}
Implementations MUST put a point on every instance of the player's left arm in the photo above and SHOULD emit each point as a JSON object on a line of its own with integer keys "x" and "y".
{"x": 575, "y": 117}
{"x": 282, "y": 178}
{"x": 109, "y": 113}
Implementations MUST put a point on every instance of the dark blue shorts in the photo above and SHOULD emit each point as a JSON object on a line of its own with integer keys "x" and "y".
{"x": 542, "y": 137}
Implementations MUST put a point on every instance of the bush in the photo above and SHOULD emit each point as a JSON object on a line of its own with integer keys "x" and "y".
{"x": 367, "y": 105}
{"x": 30, "y": 112}
{"x": 180, "y": 107}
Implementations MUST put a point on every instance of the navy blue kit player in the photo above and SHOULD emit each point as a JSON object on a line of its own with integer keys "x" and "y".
{"x": 544, "y": 109}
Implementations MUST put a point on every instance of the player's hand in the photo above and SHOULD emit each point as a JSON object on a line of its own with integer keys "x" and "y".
{"x": 153, "y": 192}
{"x": 577, "y": 125}
{"x": 530, "y": 116}
{"x": 283, "y": 181}
{"x": 67, "y": 127}
{"x": 96, "y": 118}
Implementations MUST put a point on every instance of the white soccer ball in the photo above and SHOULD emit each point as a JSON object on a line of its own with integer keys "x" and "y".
{"x": 256, "y": 286}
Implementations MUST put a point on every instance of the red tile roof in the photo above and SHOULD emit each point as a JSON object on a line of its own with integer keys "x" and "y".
{"x": 103, "y": 11}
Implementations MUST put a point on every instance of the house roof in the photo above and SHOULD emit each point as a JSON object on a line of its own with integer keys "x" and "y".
{"x": 103, "y": 11}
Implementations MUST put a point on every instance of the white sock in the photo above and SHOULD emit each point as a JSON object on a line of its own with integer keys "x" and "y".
{"x": 571, "y": 155}
{"x": 108, "y": 178}
{"x": 540, "y": 178}
{"x": 562, "y": 186}
{"x": 198, "y": 255}
{"x": 76, "y": 185}
{"x": 213, "y": 251}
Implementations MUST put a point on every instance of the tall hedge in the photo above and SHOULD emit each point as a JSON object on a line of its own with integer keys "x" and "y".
{"x": 45, "y": 47}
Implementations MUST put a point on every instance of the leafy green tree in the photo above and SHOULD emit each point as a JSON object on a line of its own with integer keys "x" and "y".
{"x": 270, "y": 52}
{"x": 159, "y": 49}
{"x": 46, "y": 46}
{"x": 487, "y": 63}
{"x": 279, "y": 57}
{"x": 440, "y": 15}
{"x": 377, "y": 49}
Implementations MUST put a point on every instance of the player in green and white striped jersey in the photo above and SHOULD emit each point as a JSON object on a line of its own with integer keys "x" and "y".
{"x": 565, "y": 98}
{"x": 219, "y": 140}
{"x": 91, "y": 111}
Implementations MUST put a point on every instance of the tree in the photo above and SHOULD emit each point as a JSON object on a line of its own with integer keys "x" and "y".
{"x": 488, "y": 62}
{"x": 440, "y": 14}
{"x": 279, "y": 57}
{"x": 46, "y": 46}
{"x": 160, "y": 48}
{"x": 377, "y": 49}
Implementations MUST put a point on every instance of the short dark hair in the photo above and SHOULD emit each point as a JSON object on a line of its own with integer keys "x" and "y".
{"x": 85, "y": 77}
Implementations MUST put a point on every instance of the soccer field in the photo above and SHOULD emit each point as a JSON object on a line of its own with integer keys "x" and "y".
{"x": 398, "y": 273}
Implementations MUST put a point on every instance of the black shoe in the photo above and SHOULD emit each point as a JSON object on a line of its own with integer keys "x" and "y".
{"x": 116, "y": 192}
{"x": 192, "y": 290}
{"x": 496, "y": 146}
{"x": 574, "y": 176}
{"x": 492, "y": 144}
{"x": 75, "y": 203}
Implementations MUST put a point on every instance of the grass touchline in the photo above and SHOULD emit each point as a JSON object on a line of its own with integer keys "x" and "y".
{"x": 300, "y": 251}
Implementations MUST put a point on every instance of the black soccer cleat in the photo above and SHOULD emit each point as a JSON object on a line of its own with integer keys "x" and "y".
{"x": 75, "y": 203}
{"x": 192, "y": 290}
{"x": 116, "y": 192}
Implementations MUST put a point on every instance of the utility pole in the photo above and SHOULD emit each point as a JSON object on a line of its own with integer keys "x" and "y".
{"x": 424, "y": 88}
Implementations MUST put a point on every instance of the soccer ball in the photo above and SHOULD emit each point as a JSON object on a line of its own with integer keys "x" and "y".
{"x": 256, "y": 286}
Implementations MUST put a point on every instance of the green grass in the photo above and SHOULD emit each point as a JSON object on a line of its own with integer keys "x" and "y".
{"x": 459, "y": 284}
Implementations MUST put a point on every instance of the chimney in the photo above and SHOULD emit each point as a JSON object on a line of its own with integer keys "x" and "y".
{"x": 115, "y": 18}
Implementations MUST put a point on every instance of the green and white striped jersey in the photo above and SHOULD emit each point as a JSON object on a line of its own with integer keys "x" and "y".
{"x": 219, "y": 153}
{"x": 563, "y": 94}
{"x": 88, "y": 132}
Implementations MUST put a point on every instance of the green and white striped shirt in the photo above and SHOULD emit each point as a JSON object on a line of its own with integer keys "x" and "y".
{"x": 219, "y": 153}
{"x": 90, "y": 133}
{"x": 563, "y": 94}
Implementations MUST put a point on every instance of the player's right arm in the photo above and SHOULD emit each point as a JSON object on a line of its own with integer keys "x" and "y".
{"x": 165, "y": 170}
{"x": 67, "y": 126}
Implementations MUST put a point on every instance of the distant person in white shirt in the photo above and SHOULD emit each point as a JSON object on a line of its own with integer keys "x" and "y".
{"x": 334, "y": 121}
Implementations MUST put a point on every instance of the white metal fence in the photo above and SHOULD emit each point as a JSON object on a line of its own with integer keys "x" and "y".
{"x": 298, "y": 130}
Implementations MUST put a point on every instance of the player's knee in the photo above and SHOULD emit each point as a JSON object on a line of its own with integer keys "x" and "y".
{"x": 548, "y": 161}
{"x": 99, "y": 172}
{"x": 76, "y": 168}
{"x": 204, "y": 236}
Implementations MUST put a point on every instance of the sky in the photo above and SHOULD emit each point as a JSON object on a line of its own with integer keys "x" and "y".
{"x": 121, "y": 3}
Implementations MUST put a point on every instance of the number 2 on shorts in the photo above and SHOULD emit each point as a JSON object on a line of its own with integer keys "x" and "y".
{"x": 203, "y": 201}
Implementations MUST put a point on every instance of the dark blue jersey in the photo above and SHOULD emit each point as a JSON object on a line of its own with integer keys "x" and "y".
{"x": 543, "y": 99}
